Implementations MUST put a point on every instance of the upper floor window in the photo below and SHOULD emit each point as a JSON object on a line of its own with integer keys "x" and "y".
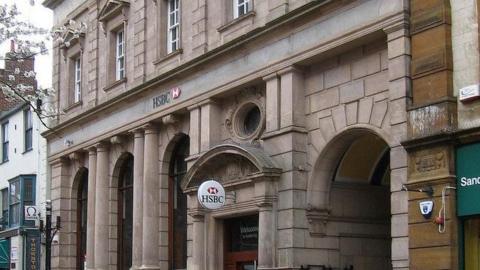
{"x": 21, "y": 194}
{"x": 241, "y": 7}
{"x": 77, "y": 74}
{"x": 27, "y": 116}
{"x": 173, "y": 25}
{"x": 5, "y": 142}
{"x": 120, "y": 55}
{"x": 4, "y": 219}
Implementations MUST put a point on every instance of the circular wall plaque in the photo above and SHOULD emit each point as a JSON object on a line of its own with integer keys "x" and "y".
{"x": 211, "y": 194}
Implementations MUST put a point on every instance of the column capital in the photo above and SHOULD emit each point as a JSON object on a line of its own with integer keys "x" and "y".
{"x": 401, "y": 26}
{"x": 198, "y": 214}
{"x": 60, "y": 161}
{"x": 290, "y": 69}
{"x": 270, "y": 76}
{"x": 150, "y": 128}
{"x": 102, "y": 146}
{"x": 118, "y": 139}
{"x": 92, "y": 150}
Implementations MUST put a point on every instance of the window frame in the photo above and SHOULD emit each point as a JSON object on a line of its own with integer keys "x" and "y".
{"x": 77, "y": 79}
{"x": 22, "y": 200}
{"x": 28, "y": 130}
{"x": 5, "y": 141}
{"x": 173, "y": 26}
{"x": 5, "y": 207}
{"x": 120, "y": 54}
{"x": 246, "y": 6}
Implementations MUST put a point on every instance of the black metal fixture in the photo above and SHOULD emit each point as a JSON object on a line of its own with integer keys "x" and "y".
{"x": 49, "y": 232}
{"x": 427, "y": 190}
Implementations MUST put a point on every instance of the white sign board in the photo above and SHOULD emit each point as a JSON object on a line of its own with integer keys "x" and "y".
{"x": 211, "y": 195}
{"x": 32, "y": 212}
{"x": 469, "y": 93}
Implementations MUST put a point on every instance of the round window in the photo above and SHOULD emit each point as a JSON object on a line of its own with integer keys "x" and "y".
{"x": 248, "y": 119}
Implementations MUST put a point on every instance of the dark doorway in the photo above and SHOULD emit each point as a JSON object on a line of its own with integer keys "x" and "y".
{"x": 241, "y": 243}
{"x": 82, "y": 201}
{"x": 177, "y": 206}
{"x": 125, "y": 214}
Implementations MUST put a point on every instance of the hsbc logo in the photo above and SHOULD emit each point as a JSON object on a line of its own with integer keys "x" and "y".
{"x": 211, "y": 194}
{"x": 166, "y": 97}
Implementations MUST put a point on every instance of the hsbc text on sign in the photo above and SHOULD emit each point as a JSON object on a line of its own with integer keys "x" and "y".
{"x": 211, "y": 194}
{"x": 166, "y": 97}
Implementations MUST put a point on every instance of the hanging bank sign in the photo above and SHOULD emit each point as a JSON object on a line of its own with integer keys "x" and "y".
{"x": 468, "y": 179}
{"x": 211, "y": 195}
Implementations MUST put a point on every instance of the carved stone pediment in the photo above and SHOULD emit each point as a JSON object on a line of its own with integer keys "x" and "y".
{"x": 112, "y": 8}
{"x": 226, "y": 168}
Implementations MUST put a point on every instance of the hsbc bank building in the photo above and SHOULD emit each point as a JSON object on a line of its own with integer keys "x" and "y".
{"x": 296, "y": 108}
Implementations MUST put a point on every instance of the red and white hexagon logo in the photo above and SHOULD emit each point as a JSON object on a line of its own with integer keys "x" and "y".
{"x": 211, "y": 194}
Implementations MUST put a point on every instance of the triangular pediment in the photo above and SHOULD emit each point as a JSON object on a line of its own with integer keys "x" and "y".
{"x": 112, "y": 8}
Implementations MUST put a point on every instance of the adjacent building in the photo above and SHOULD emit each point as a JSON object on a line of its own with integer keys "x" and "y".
{"x": 327, "y": 122}
{"x": 22, "y": 173}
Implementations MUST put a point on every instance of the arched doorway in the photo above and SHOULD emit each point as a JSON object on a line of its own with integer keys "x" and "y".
{"x": 360, "y": 204}
{"x": 177, "y": 206}
{"x": 125, "y": 213}
{"x": 81, "y": 192}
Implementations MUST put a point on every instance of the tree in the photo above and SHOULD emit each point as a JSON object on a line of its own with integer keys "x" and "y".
{"x": 29, "y": 41}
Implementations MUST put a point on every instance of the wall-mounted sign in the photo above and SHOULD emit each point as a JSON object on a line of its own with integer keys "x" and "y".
{"x": 32, "y": 250}
{"x": 468, "y": 180}
{"x": 211, "y": 194}
{"x": 469, "y": 92}
{"x": 166, "y": 97}
{"x": 32, "y": 212}
{"x": 426, "y": 208}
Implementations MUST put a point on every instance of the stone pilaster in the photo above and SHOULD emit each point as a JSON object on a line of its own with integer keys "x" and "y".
{"x": 139, "y": 26}
{"x": 399, "y": 57}
{"x": 63, "y": 253}
{"x": 210, "y": 125}
{"x": 138, "y": 161}
{"x": 286, "y": 139}
{"x": 199, "y": 34}
{"x": 265, "y": 198}
{"x": 101, "y": 208}
{"x": 198, "y": 234}
{"x": 150, "y": 254}
{"x": 92, "y": 176}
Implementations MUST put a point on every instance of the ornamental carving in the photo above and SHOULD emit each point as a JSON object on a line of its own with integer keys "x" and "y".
{"x": 430, "y": 164}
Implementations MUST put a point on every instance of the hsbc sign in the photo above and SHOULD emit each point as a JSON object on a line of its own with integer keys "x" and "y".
{"x": 211, "y": 195}
{"x": 166, "y": 97}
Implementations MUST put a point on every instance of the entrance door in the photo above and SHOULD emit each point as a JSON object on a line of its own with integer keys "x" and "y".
{"x": 241, "y": 243}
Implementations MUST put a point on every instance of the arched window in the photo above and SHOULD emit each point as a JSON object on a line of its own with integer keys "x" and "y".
{"x": 82, "y": 197}
{"x": 177, "y": 205}
{"x": 125, "y": 214}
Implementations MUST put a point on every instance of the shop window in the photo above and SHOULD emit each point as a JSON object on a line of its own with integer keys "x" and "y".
{"x": 241, "y": 242}
{"x": 5, "y": 142}
{"x": 21, "y": 194}
{"x": 177, "y": 205}
{"x": 28, "y": 125}
{"x": 125, "y": 214}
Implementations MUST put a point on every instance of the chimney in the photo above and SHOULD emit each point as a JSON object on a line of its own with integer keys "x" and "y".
{"x": 12, "y": 45}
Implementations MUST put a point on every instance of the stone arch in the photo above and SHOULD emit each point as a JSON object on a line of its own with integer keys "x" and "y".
{"x": 259, "y": 162}
{"x": 323, "y": 170}
{"x": 167, "y": 153}
{"x": 78, "y": 182}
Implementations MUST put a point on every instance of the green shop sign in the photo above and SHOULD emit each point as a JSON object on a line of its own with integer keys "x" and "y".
{"x": 468, "y": 180}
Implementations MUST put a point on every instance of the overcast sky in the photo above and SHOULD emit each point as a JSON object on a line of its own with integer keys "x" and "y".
{"x": 42, "y": 17}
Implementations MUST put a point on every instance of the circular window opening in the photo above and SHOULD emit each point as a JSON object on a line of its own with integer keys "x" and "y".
{"x": 248, "y": 120}
{"x": 251, "y": 120}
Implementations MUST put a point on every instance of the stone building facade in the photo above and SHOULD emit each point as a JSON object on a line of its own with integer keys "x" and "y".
{"x": 303, "y": 110}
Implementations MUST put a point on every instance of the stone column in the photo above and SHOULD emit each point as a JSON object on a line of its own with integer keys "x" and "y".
{"x": 265, "y": 197}
{"x": 138, "y": 152}
{"x": 101, "y": 208}
{"x": 150, "y": 254}
{"x": 92, "y": 173}
{"x": 198, "y": 235}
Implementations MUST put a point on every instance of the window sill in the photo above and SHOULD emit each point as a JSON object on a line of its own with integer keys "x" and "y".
{"x": 115, "y": 84}
{"x": 235, "y": 21}
{"x": 168, "y": 56}
{"x": 27, "y": 151}
{"x": 73, "y": 106}
{"x": 3, "y": 162}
